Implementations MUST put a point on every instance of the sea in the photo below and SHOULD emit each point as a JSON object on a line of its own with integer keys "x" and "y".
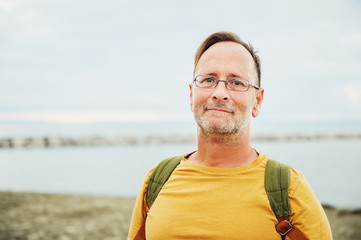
{"x": 332, "y": 166}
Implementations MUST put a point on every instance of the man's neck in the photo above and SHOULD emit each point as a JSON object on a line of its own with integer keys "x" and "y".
{"x": 224, "y": 150}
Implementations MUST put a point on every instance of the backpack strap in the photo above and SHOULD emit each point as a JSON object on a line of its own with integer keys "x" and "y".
{"x": 277, "y": 181}
{"x": 157, "y": 179}
{"x": 159, "y": 176}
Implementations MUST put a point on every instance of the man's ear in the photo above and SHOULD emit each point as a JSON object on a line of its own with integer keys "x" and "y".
{"x": 257, "y": 106}
{"x": 191, "y": 95}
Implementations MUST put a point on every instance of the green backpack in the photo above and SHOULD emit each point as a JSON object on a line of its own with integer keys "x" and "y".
{"x": 276, "y": 184}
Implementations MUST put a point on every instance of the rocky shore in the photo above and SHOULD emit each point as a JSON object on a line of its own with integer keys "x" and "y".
{"x": 51, "y": 141}
{"x": 34, "y": 216}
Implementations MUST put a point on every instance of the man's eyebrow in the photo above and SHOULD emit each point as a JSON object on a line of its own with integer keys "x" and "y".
{"x": 211, "y": 74}
{"x": 216, "y": 74}
{"x": 243, "y": 76}
{"x": 236, "y": 75}
{"x": 231, "y": 75}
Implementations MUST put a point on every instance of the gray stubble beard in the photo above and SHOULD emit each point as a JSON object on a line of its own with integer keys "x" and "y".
{"x": 236, "y": 125}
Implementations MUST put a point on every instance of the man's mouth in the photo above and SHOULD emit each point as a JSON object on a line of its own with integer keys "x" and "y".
{"x": 219, "y": 110}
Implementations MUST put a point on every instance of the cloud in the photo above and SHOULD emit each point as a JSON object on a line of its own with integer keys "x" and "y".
{"x": 91, "y": 116}
{"x": 311, "y": 117}
{"x": 353, "y": 93}
{"x": 7, "y": 5}
{"x": 352, "y": 39}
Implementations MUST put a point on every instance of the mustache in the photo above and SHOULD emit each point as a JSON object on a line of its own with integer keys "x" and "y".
{"x": 219, "y": 105}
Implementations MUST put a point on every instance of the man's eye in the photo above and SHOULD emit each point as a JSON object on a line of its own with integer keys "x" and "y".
{"x": 237, "y": 83}
{"x": 208, "y": 80}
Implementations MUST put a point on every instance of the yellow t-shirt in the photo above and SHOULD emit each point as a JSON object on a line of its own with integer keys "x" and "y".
{"x": 201, "y": 202}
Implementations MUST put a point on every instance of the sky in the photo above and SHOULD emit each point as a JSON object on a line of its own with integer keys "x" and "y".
{"x": 132, "y": 61}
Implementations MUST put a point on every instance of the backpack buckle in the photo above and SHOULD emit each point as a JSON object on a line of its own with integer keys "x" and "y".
{"x": 284, "y": 227}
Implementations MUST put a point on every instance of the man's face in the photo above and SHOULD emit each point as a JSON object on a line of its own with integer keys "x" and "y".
{"x": 220, "y": 110}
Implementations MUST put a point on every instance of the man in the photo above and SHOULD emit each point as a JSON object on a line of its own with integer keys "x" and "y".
{"x": 218, "y": 191}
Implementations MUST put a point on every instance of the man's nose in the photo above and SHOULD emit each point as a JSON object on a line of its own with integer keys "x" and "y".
{"x": 220, "y": 92}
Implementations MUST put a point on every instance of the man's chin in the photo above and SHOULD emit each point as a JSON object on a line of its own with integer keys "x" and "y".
{"x": 219, "y": 128}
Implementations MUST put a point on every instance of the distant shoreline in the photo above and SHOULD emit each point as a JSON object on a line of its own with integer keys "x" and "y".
{"x": 51, "y": 141}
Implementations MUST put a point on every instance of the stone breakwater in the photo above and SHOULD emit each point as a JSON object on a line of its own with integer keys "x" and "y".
{"x": 132, "y": 140}
{"x": 90, "y": 141}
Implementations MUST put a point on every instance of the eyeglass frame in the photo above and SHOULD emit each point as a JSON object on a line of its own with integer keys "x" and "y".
{"x": 226, "y": 83}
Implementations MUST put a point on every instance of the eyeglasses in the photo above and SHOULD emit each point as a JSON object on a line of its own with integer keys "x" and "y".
{"x": 233, "y": 83}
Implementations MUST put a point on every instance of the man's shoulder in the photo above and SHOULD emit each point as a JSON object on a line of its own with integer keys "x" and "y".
{"x": 297, "y": 179}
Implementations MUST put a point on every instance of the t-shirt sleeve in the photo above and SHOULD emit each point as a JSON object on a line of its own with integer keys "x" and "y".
{"x": 307, "y": 213}
{"x": 139, "y": 214}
